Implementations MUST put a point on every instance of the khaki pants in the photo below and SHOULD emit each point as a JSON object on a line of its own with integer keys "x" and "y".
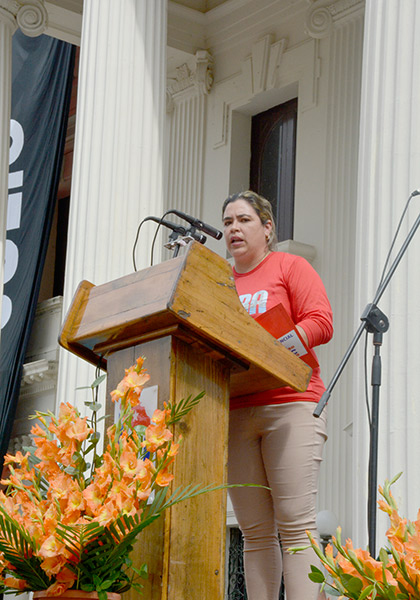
{"x": 279, "y": 446}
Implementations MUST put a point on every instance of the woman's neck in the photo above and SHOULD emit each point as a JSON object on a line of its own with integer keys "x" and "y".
{"x": 247, "y": 266}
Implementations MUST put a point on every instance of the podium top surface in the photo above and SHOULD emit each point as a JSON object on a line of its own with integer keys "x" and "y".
{"x": 192, "y": 296}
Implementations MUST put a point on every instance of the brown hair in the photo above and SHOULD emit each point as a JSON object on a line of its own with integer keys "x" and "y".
{"x": 261, "y": 206}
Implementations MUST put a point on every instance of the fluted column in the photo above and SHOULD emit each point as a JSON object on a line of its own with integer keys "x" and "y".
{"x": 31, "y": 17}
{"x": 186, "y": 105}
{"x": 345, "y": 41}
{"x": 118, "y": 159}
{"x": 389, "y": 158}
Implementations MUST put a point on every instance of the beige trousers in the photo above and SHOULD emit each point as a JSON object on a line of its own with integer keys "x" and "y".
{"x": 279, "y": 446}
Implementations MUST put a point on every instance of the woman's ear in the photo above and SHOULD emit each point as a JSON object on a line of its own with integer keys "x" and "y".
{"x": 268, "y": 228}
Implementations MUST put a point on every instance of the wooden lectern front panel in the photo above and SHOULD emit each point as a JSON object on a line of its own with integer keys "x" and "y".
{"x": 185, "y": 549}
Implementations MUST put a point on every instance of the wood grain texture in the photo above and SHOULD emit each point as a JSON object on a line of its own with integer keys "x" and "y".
{"x": 198, "y": 526}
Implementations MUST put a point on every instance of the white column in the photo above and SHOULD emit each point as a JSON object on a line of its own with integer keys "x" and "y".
{"x": 118, "y": 158}
{"x": 343, "y": 47}
{"x": 32, "y": 19}
{"x": 187, "y": 97}
{"x": 389, "y": 158}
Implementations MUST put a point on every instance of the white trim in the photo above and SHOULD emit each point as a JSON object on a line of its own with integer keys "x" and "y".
{"x": 63, "y": 24}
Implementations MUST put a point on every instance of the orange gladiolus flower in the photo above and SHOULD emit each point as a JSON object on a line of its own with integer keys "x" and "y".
{"x": 64, "y": 580}
{"x": 15, "y": 583}
{"x": 107, "y": 513}
{"x": 93, "y": 497}
{"x": 129, "y": 388}
{"x": 129, "y": 462}
{"x": 157, "y": 433}
{"x": 37, "y": 431}
{"x": 164, "y": 478}
{"x": 18, "y": 458}
{"x": 47, "y": 451}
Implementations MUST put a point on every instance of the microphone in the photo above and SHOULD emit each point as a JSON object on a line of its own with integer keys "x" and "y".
{"x": 208, "y": 229}
{"x": 415, "y": 193}
{"x": 179, "y": 229}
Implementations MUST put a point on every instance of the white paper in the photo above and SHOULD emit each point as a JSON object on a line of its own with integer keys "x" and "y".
{"x": 292, "y": 342}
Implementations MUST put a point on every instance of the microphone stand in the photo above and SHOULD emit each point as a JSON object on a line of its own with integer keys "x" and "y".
{"x": 373, "y": 321}
{"x": 176, "y": 240}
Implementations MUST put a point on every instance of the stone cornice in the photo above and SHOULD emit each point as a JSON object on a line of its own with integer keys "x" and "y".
{"x": 29, "y": 15}
{"x": 322, "y": 15}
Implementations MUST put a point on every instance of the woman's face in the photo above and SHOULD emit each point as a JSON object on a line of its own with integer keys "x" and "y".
{"x": 246, "y": 237}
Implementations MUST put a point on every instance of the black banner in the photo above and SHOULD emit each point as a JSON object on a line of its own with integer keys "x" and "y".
{"x": 42, "y": 75}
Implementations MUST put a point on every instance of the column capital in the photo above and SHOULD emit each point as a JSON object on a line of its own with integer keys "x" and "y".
{"x": 29, "y": 15}
{"x": 322, "y": 14}
{"x": 195, "y": 77}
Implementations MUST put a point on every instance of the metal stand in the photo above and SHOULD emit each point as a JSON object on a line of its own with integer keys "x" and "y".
{"x": 374, "y": 321}
{"x": 177, "y": 241}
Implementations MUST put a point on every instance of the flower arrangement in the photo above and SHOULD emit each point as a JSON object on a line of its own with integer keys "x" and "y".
{"x": 70, "y": 515}
{"x": 356, "y": 574}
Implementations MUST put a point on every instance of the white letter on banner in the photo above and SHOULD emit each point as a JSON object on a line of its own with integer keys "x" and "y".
{"x": 6, "y": 310}
{"x": 11, "y": 260}
{"x": 14, "y": 210}
{"x": 16, "y": 134}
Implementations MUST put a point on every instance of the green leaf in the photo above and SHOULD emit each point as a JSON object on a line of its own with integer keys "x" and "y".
{"x": 71, "y": 470}
{"x": 383, "y": 556}
{"x": 368, "y": 590}
{"x": 95, "y": 406}
{"x": 183, "y": 407}
{"x": 102, "y": 418}
{"x": 317, "y": 577}
{"x": 142, "y": 572}
{"x": 352, "y": 584}
{"x": 98, "y": 381}
{"x": 298, "y": 549}
{"x": 332, "y": 591}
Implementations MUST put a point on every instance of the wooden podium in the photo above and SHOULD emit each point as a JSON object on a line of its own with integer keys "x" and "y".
{"x": 185, "y": 317}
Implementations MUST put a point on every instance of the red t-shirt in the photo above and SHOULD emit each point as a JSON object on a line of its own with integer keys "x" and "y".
{"x": 291, "y": 280}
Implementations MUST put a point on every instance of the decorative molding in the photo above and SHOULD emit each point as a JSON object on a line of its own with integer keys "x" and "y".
{"x": 8, "y": 12}
{"x": 260, "y": 72}
{"x": 51, "y": 305}
{"x": 322, "y": 15}
{"x": 204, "y": 71}
{"x": 40, "y": 371}
{"x": 32, "y": 18}
{"x": 29, "y": 15}
{"x": 196, "y": 78}
{"x": 262, "y": 66}
{"x": 319, "y": 21}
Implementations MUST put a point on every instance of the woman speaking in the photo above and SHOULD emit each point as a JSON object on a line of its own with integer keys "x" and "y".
{"x": 274, "y": 439}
